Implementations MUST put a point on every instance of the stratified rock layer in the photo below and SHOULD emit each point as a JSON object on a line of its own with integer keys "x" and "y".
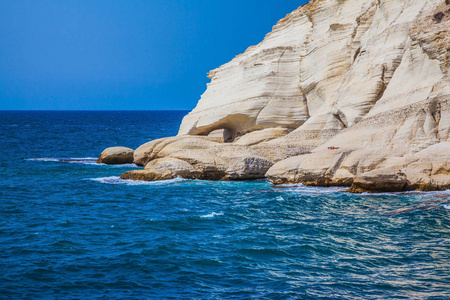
{"x": 347, "y": 93}
{"x": 198, "y": 158}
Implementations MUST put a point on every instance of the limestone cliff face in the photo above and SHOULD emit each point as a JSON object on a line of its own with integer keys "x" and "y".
{"x": 392, "y": 105}
{"x": 368, "y": 77}
{"x": 327, "y": 64}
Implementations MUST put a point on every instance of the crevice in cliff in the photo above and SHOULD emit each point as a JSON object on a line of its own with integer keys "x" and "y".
{"x": 339, "y": 119}
{"x": 387, "y": 75}
{"x": 434, "y": 112}
{"x": 358, "y": 51}
{"x": 305, "y": 102}
{"x": 383, "y": 85}
{"x": 332, "y": 171}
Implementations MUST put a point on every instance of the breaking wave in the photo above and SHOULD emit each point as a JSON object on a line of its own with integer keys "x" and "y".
{"x": 118, "y": 180}
{"x": 82, "y": 160}
{"x": 211, "y": 215}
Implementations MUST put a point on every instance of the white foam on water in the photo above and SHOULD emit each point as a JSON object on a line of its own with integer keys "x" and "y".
{"x": 446, "y": 206}
{"x": 211, "y": 215}
{"x": 81, "y": 160}
{"x": 118, "y": 180}
{"x": 68, "y": 160}
{"x": 114, "y": 166}
{"x": 42, "y": 159}
{"x": 109, "y": 180}
{"x": 300, "y": 188}
{"x": 437, "y": 193}
{"x": 279, "y": 198}
{"x": 446, "y": 192}
{"x": 290, "y": 185}
{"x": 316, "y": 190}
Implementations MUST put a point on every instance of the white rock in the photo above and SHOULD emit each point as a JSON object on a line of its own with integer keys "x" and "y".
{"x": 368, "y": 77}
{"x": 116, "y": 156}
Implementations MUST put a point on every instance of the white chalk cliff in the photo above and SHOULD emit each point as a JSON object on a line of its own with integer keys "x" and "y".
{"x": 368, "y": 77}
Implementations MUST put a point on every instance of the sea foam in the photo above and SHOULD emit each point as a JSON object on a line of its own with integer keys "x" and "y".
{"x": 83, "y": 160}
{"x": 118, "y": 180}
{"x": 211, "y": 215}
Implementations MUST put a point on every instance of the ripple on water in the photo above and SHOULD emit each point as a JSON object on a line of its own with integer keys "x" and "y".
{"x": 71, "y": 228}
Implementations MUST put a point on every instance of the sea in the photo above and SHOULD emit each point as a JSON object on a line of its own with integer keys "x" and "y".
{"x": 72, "y": 229}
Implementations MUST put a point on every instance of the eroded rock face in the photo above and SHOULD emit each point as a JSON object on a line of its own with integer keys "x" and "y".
{"x": 368, "y": 78}
{"x": 198, "y": 158}
{"x": 116, "y": 156}
{"x": 404, "y": 140}
{"x": 162, "y": 147}
{"x": 163, "y": 169}
{"x": 379, "y": 181}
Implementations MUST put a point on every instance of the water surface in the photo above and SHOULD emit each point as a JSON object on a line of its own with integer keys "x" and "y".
{"x": 70, "y": 228}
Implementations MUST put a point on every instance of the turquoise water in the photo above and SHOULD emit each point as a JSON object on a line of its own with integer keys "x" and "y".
{"x": 71, "y": 229}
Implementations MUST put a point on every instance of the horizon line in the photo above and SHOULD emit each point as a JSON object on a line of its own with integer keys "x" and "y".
{"x": 100, "y": 110}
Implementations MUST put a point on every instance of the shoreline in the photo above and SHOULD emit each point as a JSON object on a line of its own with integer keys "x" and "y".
{"x": 359, "y": 98}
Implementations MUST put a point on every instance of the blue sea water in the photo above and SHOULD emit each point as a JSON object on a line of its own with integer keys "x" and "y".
{"x": 72, "y": 229}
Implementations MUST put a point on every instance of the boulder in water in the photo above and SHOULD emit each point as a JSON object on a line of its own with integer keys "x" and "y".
{"x": 116, "y": 156}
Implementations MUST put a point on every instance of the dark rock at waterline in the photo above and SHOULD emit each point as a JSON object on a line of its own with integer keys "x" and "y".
{"x": 163, "y": 169}
{"x": 116, "y": 156}
{"x": 379, "y": 182}
{"x": 205, "y": 167}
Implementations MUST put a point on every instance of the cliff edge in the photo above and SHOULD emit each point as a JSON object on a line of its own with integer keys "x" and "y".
{"x": 341, "y": 92}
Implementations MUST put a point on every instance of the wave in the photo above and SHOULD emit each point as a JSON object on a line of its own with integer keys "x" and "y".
{"x": 41, "y": 159}
{"x": 80, "y": 160}
{"x": 300, "y": 188}
{"x": 279, "y": 198}
{"x": 118, "y": 180}
{"x": 439, "y": 194}
{"x": 69, "y": 160}
{"x": 211, "y": 215}
{"x": 116, "y": 166}
{"x": 288, "y": 185}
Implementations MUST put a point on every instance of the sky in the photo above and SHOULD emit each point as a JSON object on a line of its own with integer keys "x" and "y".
{"x": 123, "y": 54}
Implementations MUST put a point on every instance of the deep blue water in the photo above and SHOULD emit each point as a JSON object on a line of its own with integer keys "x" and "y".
{"x": 71, "y": 230}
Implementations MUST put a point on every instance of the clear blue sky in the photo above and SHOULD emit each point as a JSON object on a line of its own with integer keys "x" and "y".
{"x": 127, "y": 54}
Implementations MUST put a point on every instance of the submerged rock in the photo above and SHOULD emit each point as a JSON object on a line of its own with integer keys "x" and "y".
{"x": 116, "y": 156}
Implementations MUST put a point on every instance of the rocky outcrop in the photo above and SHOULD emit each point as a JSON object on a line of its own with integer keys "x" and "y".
{"x": 379, "y": 181}
{"x": 383, "y": 133}
{"x": 199, "y": 158}
{"x": 162, "y": 169}
{"x": 348, "y": 93}
{"x": 116, "y": 156}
